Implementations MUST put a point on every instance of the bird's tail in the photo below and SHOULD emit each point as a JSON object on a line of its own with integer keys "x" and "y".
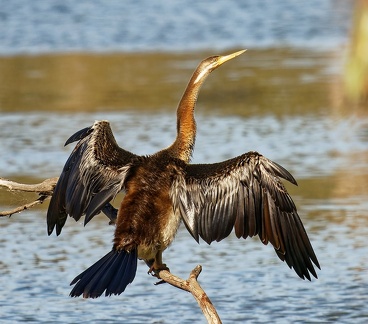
{"x": 111, "y": 273}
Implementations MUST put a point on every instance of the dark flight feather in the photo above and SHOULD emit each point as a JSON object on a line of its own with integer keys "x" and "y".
{"x": 111, "y": 274}
{"x": 244, "y": 193}
{"x": 92, "y": 176}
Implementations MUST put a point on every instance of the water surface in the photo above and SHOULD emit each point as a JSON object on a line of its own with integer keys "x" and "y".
{"x": 285, "y": 102}
{"x": 322, "y": 141}
{"x": 143, "y": 25}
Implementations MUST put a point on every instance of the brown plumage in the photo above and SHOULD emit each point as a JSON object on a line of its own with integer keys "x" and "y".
{"x": 244, "y": 193}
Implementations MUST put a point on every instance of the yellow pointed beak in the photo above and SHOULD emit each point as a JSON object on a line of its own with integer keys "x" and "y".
{"x": 223, "y": 59}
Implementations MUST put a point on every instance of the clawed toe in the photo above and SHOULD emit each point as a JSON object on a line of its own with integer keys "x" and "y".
{"x": 156, "y": 268}
{"x": 160, "y": 282}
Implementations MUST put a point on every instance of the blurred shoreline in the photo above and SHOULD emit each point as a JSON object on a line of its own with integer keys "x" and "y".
{"x": 280, "y": 78}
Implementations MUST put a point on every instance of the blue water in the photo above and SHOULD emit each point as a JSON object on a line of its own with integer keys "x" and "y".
{"x": 327, "y": 153}
{"x": 244, "y": 279}
{"x": 290, "y": 140}
{"x": 143, "y": 25}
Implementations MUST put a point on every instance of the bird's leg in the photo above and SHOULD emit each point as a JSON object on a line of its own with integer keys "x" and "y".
{"x": 156, "y": 265}
{"x": 110, "y": 212}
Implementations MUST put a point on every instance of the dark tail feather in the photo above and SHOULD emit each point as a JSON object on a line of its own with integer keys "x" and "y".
{"x": 111, "y": 273}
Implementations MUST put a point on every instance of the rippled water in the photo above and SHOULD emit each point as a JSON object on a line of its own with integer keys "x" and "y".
{"x": 310, "y": 147}
{"x": 245, "y": 280}
{"x": 284, "y": 103}
{"x": 143, "y": 25}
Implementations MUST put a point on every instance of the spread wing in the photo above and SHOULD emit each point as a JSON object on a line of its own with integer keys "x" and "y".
{"x": 92, "y": 176}
{"x": 244, "y": 193}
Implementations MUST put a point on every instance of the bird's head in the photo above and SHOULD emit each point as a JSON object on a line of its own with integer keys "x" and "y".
{"x": 213, "y": 62}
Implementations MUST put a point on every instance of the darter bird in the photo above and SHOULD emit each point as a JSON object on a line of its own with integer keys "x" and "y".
{"x": 163, "y": 189}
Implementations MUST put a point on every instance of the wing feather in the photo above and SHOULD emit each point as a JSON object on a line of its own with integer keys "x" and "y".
{"x": 92, "y": 176}
{"x": 244, "y": 193}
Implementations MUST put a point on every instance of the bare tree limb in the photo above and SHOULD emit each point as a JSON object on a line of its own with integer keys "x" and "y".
{"x": 19, "y": 209}
{"x": 45, "y": 190}
{"x": 46, "y": 187}
{"x": 191, "y": 285}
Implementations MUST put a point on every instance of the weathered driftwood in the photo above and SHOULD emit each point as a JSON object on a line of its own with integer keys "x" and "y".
{"x": 191, "y": 285}
{"x": 45, "y": 190}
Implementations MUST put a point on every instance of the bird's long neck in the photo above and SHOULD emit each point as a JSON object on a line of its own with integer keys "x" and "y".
{"x": 183, "y": 146}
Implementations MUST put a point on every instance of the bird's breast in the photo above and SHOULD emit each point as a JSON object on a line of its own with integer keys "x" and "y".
{"x": 169, "y": 228}
{"x": 146, "y": 217}
{"x": 148, "y": 249}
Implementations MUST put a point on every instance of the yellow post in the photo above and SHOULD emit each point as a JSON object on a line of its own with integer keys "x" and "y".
{"x": 356, "y": 74}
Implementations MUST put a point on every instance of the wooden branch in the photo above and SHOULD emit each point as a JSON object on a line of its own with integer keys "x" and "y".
{"x": 44, "y": 189}
{"x": 191, "y": 285}
{"x": 19, "y": 209}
